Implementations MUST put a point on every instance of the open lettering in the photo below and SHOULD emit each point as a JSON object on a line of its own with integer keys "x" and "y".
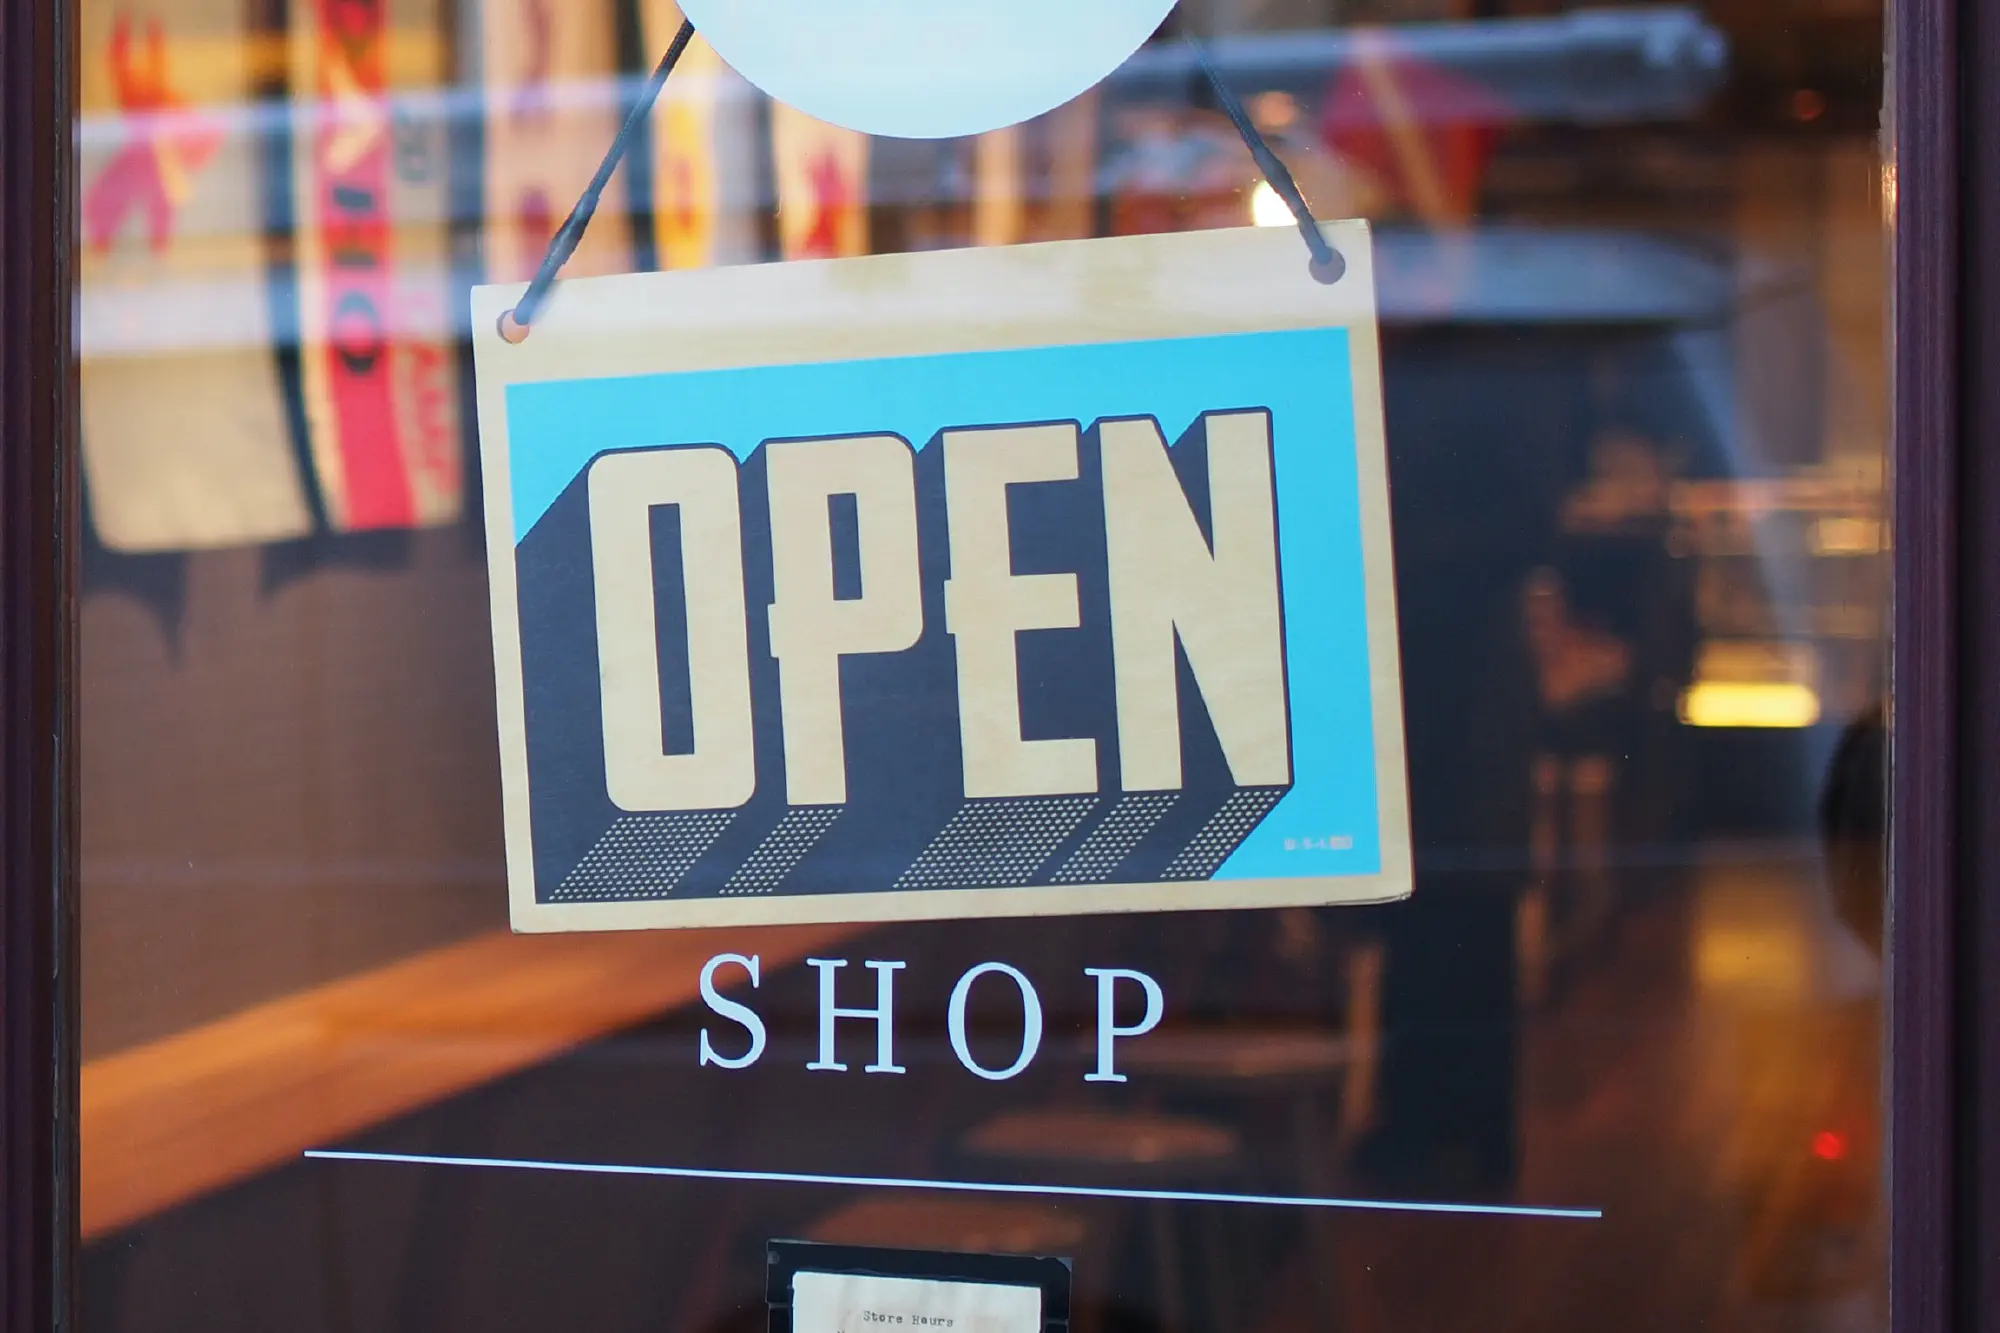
{"x": 1172, "y": 590}
{"x": 1022, "y": 655}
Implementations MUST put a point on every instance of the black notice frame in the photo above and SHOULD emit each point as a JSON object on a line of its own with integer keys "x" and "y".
{"x": 786, "y": 1259}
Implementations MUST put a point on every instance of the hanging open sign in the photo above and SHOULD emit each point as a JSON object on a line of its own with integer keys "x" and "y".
{"x": 1010, "y": 581}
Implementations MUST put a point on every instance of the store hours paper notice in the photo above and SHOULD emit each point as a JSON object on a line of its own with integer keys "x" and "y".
{"x": 860, "y": 1303}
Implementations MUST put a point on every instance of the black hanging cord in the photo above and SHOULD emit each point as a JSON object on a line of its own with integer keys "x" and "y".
{"x": 1327, "y": 265}
{"x": 514, "y": 324}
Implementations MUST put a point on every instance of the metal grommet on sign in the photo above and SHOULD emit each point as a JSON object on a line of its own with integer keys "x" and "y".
{"x": 511, "y": 329}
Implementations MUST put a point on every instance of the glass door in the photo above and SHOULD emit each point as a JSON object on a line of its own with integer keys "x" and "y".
{"x": 1609, "y": 1053}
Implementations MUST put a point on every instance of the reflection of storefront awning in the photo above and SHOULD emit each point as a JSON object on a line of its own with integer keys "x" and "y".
{"x": 1589, "y": 66}
{"x": 1539, "y": 276}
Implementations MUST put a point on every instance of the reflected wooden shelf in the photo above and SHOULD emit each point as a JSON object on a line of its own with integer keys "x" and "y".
{"x": 176, "y": 1118}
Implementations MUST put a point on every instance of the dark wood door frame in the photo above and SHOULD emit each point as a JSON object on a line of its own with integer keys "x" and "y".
{"x": 1944, "y": 1024}
{"x": 1944, "y": 972}
{"x": 1977, "y": 961}
{"x": 38, "y": 508}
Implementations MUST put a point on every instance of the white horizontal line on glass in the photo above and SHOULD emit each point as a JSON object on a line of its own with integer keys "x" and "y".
{"x": 959, "y": 1186}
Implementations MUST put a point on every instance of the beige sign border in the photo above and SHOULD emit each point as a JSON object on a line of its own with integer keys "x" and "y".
{"x": 1186, "y": 284}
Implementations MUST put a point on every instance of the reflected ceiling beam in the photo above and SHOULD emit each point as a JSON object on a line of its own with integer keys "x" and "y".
{"x": 177, "y": 1118}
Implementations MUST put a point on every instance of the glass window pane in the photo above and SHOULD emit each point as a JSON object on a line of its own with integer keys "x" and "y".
{"x": 1613, "y": 1062}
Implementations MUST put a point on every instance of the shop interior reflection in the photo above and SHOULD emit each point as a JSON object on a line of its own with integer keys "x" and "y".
{"x": 1631, "y": 308}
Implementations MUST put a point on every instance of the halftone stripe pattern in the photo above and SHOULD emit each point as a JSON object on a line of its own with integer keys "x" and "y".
{"x": 991, "y": 843}
{"x": 1225, "y": 830}
{"x": 1105, "y": 847}
{"x": 642, "y": 856}
{"x": 782, "y": 849}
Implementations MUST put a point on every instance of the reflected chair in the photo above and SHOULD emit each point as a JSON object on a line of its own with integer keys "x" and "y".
{"x": 1132, "y": 1150}
{"x": 1304, "y": 1071}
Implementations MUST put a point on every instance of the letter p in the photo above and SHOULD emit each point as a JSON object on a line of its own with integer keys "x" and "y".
{"x": 1108, "y": 1030}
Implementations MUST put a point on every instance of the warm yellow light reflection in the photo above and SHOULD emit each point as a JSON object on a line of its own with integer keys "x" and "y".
{"x": 1836, "y": 535}
{"x": 1267, "y": 208}
{"x": 1730, "y": 703}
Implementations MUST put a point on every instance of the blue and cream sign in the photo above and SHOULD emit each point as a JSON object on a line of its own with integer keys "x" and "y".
{"x": 996, "y": 582}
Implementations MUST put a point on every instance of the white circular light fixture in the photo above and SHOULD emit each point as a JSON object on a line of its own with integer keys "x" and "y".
{"x": 925, "y": 69}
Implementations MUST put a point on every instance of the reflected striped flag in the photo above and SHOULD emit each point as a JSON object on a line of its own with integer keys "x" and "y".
{"x": 552, "y": 109}
{"x": 999, "y": 186}
{"x": 378, "y": 368}
{"x": 1070, "y": 133}
{"x": 822, "y": 177}
{"x": 184, "y": 424}
{"x": 704, "y": 168}
{"x": 1424, "y": 134}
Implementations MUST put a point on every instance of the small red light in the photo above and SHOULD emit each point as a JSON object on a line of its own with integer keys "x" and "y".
{"x": 1829, "y": 1146}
